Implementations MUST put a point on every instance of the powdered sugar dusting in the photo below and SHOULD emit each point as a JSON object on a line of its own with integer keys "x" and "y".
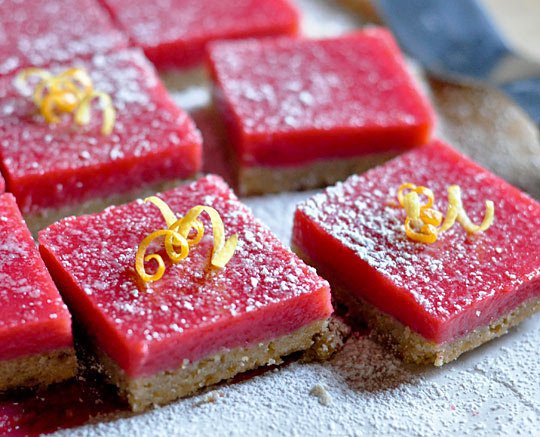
{"x": 372, "y": 394}
{"x": 490, "y": 391}
{"x": 456, "y": 273}
{"x": 261, "y": 278}
{"x": 37, "y": 33}
{"x": 190, "y": 22}
{"x": 148, "y": 127}
{"x": 289, "y": 85}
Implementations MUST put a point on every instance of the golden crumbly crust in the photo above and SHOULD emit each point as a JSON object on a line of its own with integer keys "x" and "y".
{"x": 145, "y": 392}
{"x": 329, "y": 341}
{"x": 38, "y": 370}
{"x": 43, "y": 218}
{"x": 265, "y": 180}
{"x": 412, "y": 346}
{"x": 416, "y": 349}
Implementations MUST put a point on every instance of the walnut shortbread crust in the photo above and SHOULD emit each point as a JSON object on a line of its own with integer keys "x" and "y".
{"x": 413, "y": 347}
{"x": 39, "y": 370}
{"x": 264, "y": 180}
{"x": 321, "y": 338}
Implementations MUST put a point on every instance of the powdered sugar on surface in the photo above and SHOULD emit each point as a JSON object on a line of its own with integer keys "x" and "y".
{"x": 188, "y": 22}
{"x": 146, "y": 121}
{"x": 493, "y": 390}
{"x": 288, "y": 85}
{"x": 28, "y": 296}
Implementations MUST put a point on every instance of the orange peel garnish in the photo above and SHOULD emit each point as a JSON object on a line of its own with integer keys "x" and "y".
{"x": 424, "y": 224}
{"x": 176, "y": 240}
{"x": 177, "y": 235}
{"x": 70, "y": 92}
{"x": 82, "y": 114}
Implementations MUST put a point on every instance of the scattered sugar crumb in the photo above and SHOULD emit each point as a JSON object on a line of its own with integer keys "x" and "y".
{"x": 320, "y": 392}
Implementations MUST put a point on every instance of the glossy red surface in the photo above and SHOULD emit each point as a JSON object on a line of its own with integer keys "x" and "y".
{"x": 48, "y": 166}
{"x": 38, "y": 33}
{"x": 264, "y": 292}
{"x": 174, "y": 33}
{"x": 292, "y": 101}
{"x": 34, "y": 319}
{"x": 443, "y": 290}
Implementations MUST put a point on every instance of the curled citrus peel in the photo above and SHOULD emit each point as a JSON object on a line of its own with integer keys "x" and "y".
{"x": 423, "y": 223}
{"x": 179, "y": 238}
{"x": 70, "y": 92}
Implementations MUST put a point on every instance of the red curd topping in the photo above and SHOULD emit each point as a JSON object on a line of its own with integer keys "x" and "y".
{"x": 174, "y": 33}
{"x": 355, "y": 233}
{"x": 34, "y": 318}
{"x": 50, "y": 165}
{"x": 194, "y": 310}
{"x": 38, "y": 33}
{"x": 288, "y": 101}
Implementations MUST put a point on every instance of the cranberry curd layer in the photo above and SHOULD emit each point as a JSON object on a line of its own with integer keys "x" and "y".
{"x": 39, "y": 33}
{"x": 174, "y": 33}
{"x": 194, "y": 310}
{"x": 355, "y": 235}
{"x": 52, "y": 165}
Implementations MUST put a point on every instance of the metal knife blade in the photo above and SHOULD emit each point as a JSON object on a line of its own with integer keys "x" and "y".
{"x": 456, "y": 39}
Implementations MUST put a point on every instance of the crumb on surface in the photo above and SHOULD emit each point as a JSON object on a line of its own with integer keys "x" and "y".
{"x": 209, "y": 398}
{"x": 320, "y": 392}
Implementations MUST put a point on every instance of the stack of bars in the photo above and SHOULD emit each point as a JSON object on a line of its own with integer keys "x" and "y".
{"x": 88, "y": 124}
{"x": 188, "y": 288}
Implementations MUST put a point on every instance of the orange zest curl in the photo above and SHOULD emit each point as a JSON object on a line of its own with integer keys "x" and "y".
{"x": 423, "y": 223}
{"x": 70, "y": 92}
{"x": 179, "y": 239}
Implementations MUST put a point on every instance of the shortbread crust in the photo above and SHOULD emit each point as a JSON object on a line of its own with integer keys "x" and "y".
{"x": 39, "y": 370}
{"x": 413, "y": 347}
{"x": 265, "y": 180}
{"x": 145, "y": 392}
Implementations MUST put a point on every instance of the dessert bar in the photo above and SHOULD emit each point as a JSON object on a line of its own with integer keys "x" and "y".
{"x": 434, "y": 290}
{"x": 174, "y": 33}
{"x": 59, "y": 168}
{"x": 35, "y": 327}
{"x": 306, "y": 113}
{"x": 163, "y": 329}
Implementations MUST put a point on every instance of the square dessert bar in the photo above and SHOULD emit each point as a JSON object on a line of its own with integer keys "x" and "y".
{"x": 174, "y": 33}
{"x": 306, "y": 113}
{"x": 434, "y": 301}
{"x": 35, "y": 327}
{"x": 197, "y": 325}
{"x": 38, "y": 33}
{"x": 58, "y": 169}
